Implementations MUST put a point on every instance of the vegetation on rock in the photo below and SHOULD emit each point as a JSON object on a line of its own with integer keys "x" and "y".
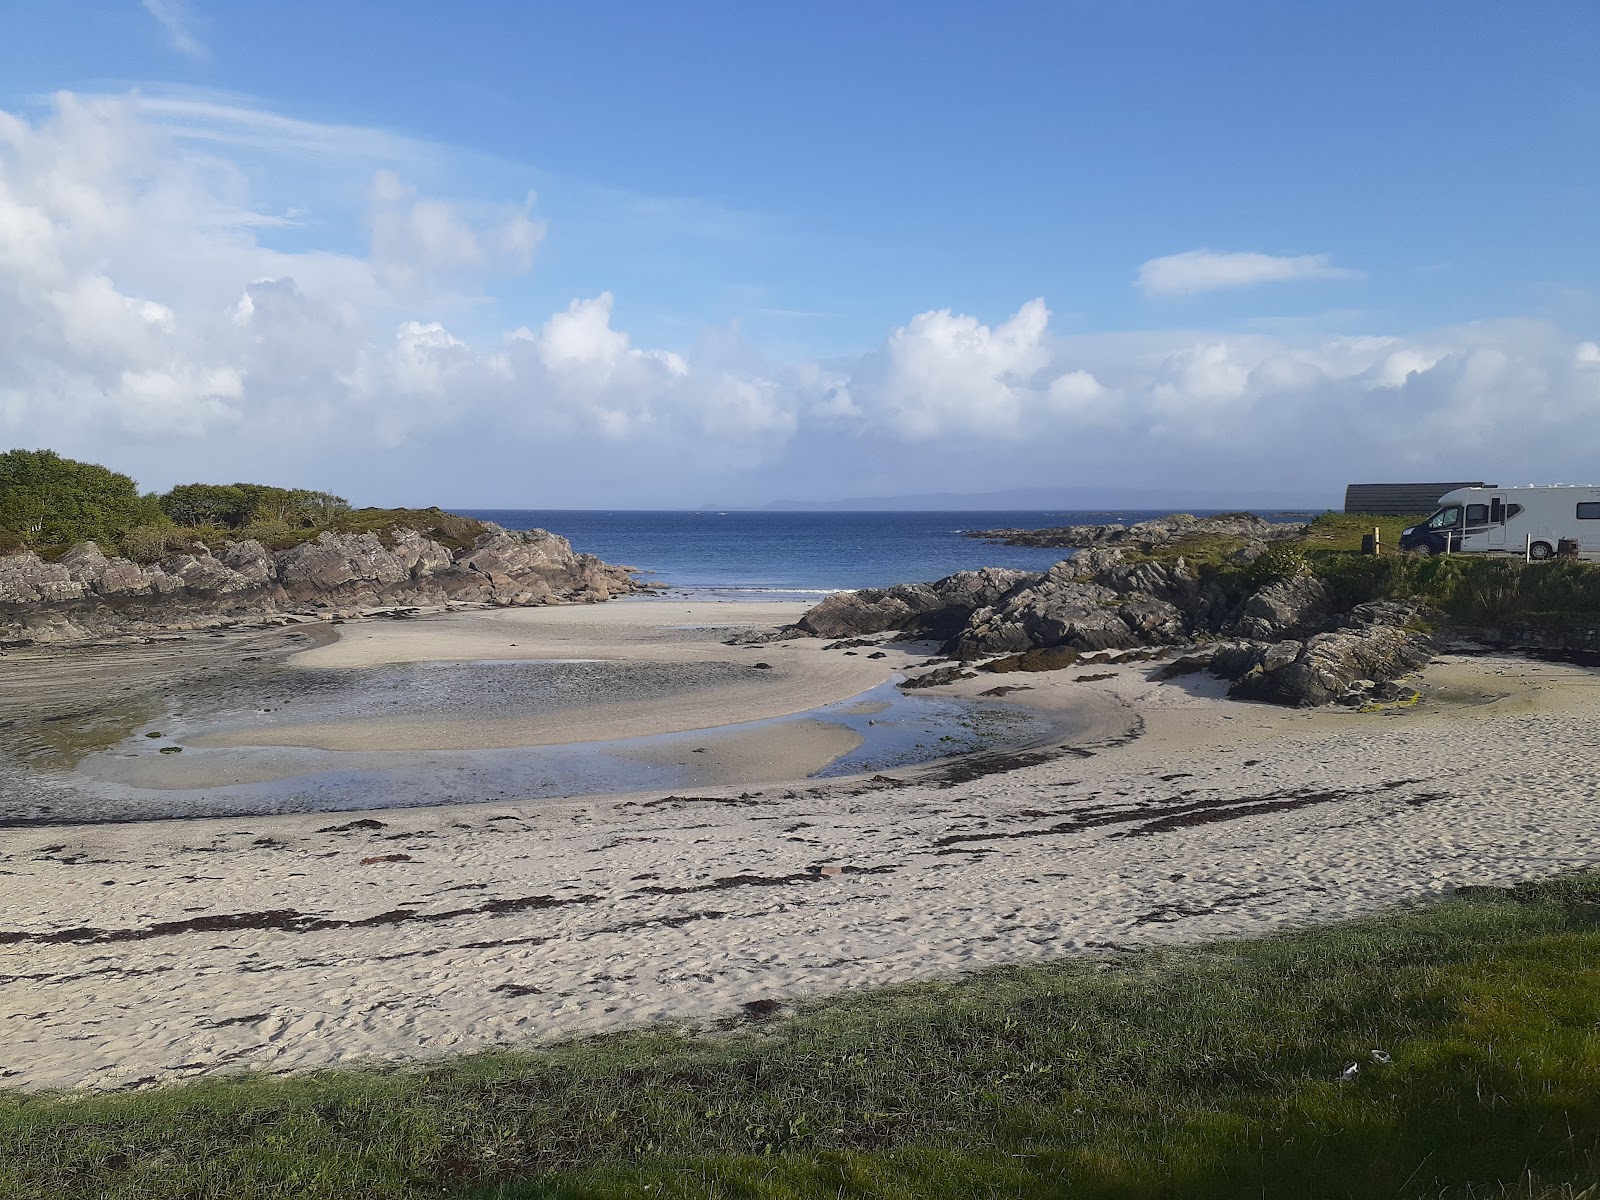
{"x": 48, "y": 503}
{"x": 1473, "y": 590}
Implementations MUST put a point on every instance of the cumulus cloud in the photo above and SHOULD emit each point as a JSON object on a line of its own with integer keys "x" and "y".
{"x": 1208, "y": 270}
{"x": 147, "y": 320}
{"x": 175, "y": 20}
{"x": 947, "y": 374}
{"x": 420, "y": 245}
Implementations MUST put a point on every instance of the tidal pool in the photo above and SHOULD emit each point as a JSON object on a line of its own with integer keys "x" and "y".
{"x": 130, "y": 778}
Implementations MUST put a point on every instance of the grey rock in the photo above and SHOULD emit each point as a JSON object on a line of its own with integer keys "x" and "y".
{"x": 935, "y": 609}
{"x": 870, "y": 610}
{"x": 104, "y": 576}
{"x": 1289, "y": 608}
{"x": 1093, "y": 601}
{"x": 27, "y": 579}
{"x": 86, "y": 594}
{"x": 1362, "y": 654}
{"x": 250, "y": 561}
{"x": 938, "y": 677}
{"x": 335, "y": 562}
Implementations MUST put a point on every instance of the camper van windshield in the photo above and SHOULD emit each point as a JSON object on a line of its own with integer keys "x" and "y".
{"x": 1446, "y": 518}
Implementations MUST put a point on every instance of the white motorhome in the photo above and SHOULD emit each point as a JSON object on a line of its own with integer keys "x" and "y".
{"x": 1532, "y": 521}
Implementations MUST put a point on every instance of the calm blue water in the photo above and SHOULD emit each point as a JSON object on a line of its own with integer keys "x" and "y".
{"x": 782, "y": 555}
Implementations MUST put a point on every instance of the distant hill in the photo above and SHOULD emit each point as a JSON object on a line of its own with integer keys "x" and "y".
{"x": 1072, "y": 499}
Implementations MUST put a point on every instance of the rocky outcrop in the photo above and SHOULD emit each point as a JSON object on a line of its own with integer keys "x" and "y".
{"x": 935, "y": 610}
{"x": 87, "y": 594}
{"x": 1094, "y": 601}
{"x": 1374, "y": 645}
{"x": 1147, "y": 535}
{"x": 1289, "y": 608}
{"x": 1286, "y": 643}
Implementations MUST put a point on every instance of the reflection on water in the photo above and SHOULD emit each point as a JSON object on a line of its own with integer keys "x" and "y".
{"x": 60, "y": 743}
{"x": 108, "y": 768}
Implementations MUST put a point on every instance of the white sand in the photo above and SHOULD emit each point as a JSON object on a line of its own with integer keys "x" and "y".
{"x": 517, "y": 923}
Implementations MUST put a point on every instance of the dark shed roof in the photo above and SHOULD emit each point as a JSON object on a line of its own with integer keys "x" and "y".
{"x": 1398, "y": 499}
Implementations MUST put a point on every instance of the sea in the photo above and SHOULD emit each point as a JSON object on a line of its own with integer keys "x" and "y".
{"x": 775, "y": 555}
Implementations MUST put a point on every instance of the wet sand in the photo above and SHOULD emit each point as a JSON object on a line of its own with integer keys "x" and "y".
{"x": 760, "y": 682}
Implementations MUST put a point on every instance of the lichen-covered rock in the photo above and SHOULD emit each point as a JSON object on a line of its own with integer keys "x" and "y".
{"x": 1083, "y": 615}
{"x": 971, "y": 590}
{"x": 1095, "y": 600}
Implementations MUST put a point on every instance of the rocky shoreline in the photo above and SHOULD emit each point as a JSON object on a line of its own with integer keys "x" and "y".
{"x": 1287, "y": 642}
{"x": 85, "y": 595}
{"x": 1254, "y": 531}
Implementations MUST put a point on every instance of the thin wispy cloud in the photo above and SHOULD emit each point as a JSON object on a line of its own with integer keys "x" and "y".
{"x": 235, "y": 121}
{"x": 1196, "y": 271}
{"x": 175, "y": 19}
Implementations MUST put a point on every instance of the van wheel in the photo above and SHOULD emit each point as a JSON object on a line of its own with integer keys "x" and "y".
{"x": 1424, "y": 549}
{"x": 1540, "y": 551}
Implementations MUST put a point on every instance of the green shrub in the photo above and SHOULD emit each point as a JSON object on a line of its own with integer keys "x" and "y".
{"x": 47, "y": 500}
{"x": 146, "y": 544}
{"x": 277, "y": 535}
{"x": 236, "y": 505}
{"x": 1285, "y": 560}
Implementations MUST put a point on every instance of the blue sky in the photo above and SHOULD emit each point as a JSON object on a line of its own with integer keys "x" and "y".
{"x": 810, "y": 251}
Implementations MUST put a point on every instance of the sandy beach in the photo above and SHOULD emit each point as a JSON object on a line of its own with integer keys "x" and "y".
{"x": 139, "y": 953}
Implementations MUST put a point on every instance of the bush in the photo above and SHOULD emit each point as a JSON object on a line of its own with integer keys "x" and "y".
{"x": 236, "y": 505}
{"x": 146, "y": 544}
{"x": 1282, "y": 561}
{"x": 276, "y": 534}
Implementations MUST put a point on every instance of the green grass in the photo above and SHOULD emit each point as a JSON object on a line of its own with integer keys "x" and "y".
{"x": 1334, "y": 532}
{"x": 1208, "y": 1072}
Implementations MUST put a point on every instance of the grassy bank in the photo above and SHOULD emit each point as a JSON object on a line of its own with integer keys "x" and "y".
{"x": 1210, "y": 1072}
{"x": 1471, "y": 590}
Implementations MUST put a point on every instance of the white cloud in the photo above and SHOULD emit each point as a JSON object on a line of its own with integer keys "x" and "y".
{"x": 1208, "y": 270}
{"x": 175, "y": 19}
{"x": 420, "y": 245}
{"x": 944, "y": 373}
{"x": 581, "y": 340}
{"x": 147, "y": 321}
